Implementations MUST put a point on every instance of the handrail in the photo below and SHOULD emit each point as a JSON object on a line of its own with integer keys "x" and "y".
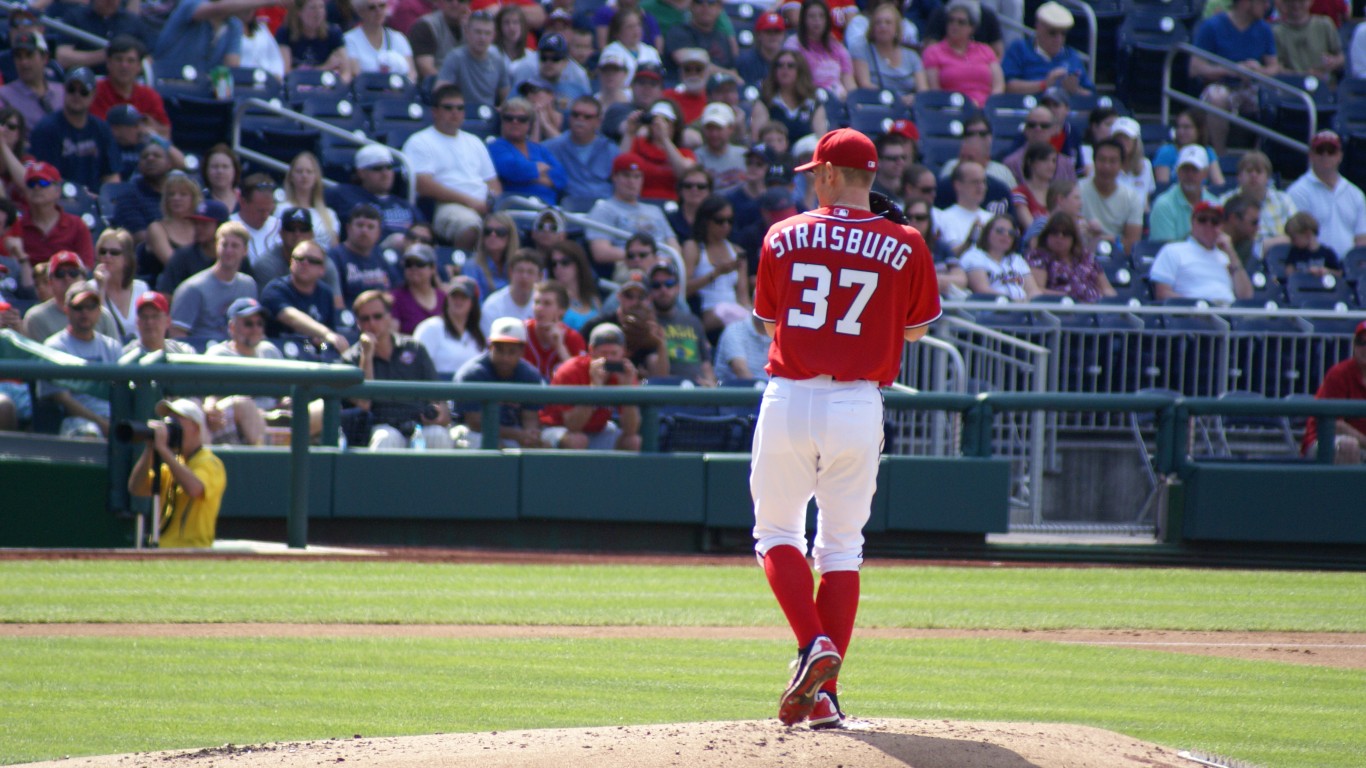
{"x": 1168, "y": 93}
{"x": 992, "y": 333}
{"x": 1079, "y": 308}
{"x": 311, "y": 122}
{"x": 50, "y": 22}
{"x": 1092, "y": 25}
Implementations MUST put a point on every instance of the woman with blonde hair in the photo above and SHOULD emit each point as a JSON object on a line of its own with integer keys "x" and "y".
{"x": 498, "y": 240}
{"x": 115, "y": 263}
{"x": 180, "y": 196}
{"x": 303, "y": 188}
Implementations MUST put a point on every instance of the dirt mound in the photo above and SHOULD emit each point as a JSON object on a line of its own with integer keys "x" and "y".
{"x": 871, "y": 744}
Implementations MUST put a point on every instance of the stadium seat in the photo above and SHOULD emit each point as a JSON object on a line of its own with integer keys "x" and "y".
{"x": 200, "y": 122}
{"x": 681, "y": 432}
{"x": 255, "y": 83}
{"x": 369, "y": 87}
{"x": 1017, "y": 104}
{"x": 1301, "y": 287}
{"x": 1143, "y": 42}
{"x": 941, "y": 124}
{"x": 943, "y": 102}
{"x": 302, "y": 83}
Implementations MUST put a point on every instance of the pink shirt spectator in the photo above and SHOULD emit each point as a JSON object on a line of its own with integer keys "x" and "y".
{"x": 409, "y": 313}
{"x": 968, "y": 74}
{"x": 827, "y": 65}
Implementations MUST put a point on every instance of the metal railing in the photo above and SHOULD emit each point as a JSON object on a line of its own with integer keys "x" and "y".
{"x": 929, "y": 365}
{"x": 357, "y": 138}
{"x": 1087, "y": 13}
{"x": 1169, "y": 93}
{"x": 52, "y": 23}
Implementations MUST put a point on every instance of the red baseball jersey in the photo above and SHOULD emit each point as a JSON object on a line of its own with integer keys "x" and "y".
{"x": 843, "y": 285}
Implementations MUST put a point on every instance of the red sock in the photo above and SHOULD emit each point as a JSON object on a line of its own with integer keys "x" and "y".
{"x": 837, "y": 604}
{"x": 790, "y": 578}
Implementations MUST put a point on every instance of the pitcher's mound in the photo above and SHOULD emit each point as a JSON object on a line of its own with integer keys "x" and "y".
{"x": 874, "y": 744}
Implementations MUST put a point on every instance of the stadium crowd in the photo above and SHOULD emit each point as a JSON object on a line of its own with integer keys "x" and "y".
{"x": 676, "y": 121}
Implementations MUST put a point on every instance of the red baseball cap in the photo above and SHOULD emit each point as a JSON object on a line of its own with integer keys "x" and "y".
{"x": 627, "y": 161}
{"x": 844, "y": 148}
{"x": 41, "y": 170}
{"x": 1205, "y": 206}
{"x": 906, "y": 128}
{"x": 80, "y": 291}
{"x": 62, "y": 259}
{"x": 154, "y": 299}
{"x": 1360, "y": 335}
{"x": 770, "y": 22}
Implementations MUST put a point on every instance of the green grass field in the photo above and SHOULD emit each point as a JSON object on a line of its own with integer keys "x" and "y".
{"x": 74, "y": 696}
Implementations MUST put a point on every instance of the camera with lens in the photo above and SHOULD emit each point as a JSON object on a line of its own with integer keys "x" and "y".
{"x": 429, "y": 413}
{"x": 139, "y": 432}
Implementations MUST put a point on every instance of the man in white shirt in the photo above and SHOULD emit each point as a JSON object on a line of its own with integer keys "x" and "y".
{"x": 256, "y": 212}
{"x": 1335, "y": 202}
{"x": 453, "y": 169}
{"x": 1118, "y": 207}
{"x": 514, "y": 299}
{"x": 1204, "y": 265}
{"x": 960, "y": 222}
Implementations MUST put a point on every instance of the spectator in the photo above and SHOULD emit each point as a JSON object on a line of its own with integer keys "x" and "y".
{"x": 1190, "y": 130}
{"x": 1254, "y": 176}
{"x": 476, "y": 68}
{"x": 1240, "y": 35}
{"x": 512, "y": 33}
{"x": 1137, "y": 171}
{"x": 742, "y": 352}
{"x": 632, "y": 312}
{"x": 724, "y": 88}
{"x": 788, "y": 95}
{"x": 976, "y": 147}
{"x": 302, "y": 302}
{"x": 383, "y": 355}
{"x": 153, "y": 315}
{"x": 891, "y": 65}
{"x": 894, "y": 151}
{"x": 1100, "y": 124}
{"x": 658, "y": 149}
{"x": 85, "y": 415}
{"x": 13, "y": 153}
{"x": 524, "y": 167}
{"x": 1203, "y": 266}
{"x": 375, "y": 177}
{"x": 259, "y": 49}
{"x": 434, "y": 35}
{"x": 105, "y": 19}
{"x": 754, "y": 62}
{"x": 200, "y": 254}
{"x": 960, "y": 63}
{"x": 1040, "y": 126}
{"x": 718, "y": 273}
{"x": 50, "y": 316}
{"x": 309, "y": 42}
{"x": 174, "y": 227}
{"x": 1240, "y": 224}
{"x": 192, "y": 479}
{"x": 419, "y": 295}
{"x": 586, "y": 156}
{"x": 1336, "y": 203}
{"x": 550, "y": 342}
{"x": 551, "y": 64}
{"x": 547, "y": 231}
{"x": 570, "y": 268}
{"x": 1307, "y": 44}
{"x": 139, "y": 205}
{"x": 688, "y": 350}
{"x": 115, "y": 265}
{"x": 1062, "y": 267}
{"x": 917, "y": 183}
{"x": 296, "y": 226}
{"x": 745, "y": 199}
{"x": 831, "y": 67}
{"x": 774, "y": 206}
{"x": 80, "y": 145}
{"x": 303, "y": 188}
{"x": 606, "y": 15}
{"x": 222, "y": 175}
{"x": 519, "y": 424}
{"x": 199, "y": 303}
{"x": 949, "y": 274}
{"x": 374, "y": 47}
{"x": 694, "y": 186}
{"x": 1358, "y": 51}
{"x": 580, "y": 427}
{"x": 994, "y": 264}
{"x": 47, "y": 229}
{"x": 202, "y": 34}
{"x": 453, "y": 169}
{"x": 1346, "y": 380}
{"x": 672, "y": 13}
{"x": 256, "y": 214}
{"x": 238, "y": 419}
{"x": 646, "y": 88}
{"x": 1117, "y": 208}
{"x": 515, "y": 298}
{"x": 701, "y": 32}
{"x": 32, "y": 92}
{"x": 130, "y": 139}
{"x": 488, "y": 264}
{"x": 1172, "y": 209}
{"x": 717, "y": 155}
{"x": 125, "y": 56}
{"x": 361, "y": 265}
{"x": 1047, "y": 62}
{"x": 960, "y": 223}
{"x": 1037, "y": 167}
{"x": 1306, "y": 253}
{"x": 613, "y": 80}
{"x": 454, "y": 338}
{"x": 624, "y": 211}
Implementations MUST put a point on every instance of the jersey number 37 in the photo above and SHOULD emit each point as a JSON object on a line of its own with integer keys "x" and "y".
{"x": 817, "y": 296}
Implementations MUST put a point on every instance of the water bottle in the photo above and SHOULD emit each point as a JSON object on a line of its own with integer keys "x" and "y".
{"x": 419, "y": 439}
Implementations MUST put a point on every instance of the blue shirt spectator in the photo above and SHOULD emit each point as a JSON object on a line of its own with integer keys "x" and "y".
{"x": 375, "y": 172}
{"x": 525, "y": 167}
{"x": 202, "y": 34}
{"x": 80, "y": 145}
{"x": 1034, "y": 66}
{"x": 282, "y": 292}
{"x": 586, "y": 156}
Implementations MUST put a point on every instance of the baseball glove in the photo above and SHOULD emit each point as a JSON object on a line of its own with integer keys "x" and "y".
{"x": 884, "y": 207}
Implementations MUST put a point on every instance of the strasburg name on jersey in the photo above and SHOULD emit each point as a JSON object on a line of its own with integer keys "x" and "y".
{"x": 842, "y": 286}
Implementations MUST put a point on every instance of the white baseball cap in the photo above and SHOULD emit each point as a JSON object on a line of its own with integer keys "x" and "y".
{"x": 718, "y": 113}
{"x": 509, "y": 330}
{"x": 1193, "y": 154}
{"x": 372, "y": 155}
{"x": 186, "y": 409}
{"x": 1126, "y": 126}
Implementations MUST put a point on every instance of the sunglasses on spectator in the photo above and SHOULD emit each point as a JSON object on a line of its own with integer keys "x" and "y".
{"x": 560, "y": 262}
{"x": 551, "y": 58}
{"x": 39, "y": 184}
{"x": 415, "y": 264}
{"x": 371, "y": 317}
{"x": 111, "y": 251}
{"x": 928, "y": 190}
{"x": 376, "y": 7}
{"x": 1060, "y": 233}
{"x": 1216, "y": 220}
{"x": 67, "y": 274}
{"x": 980, "y": 132}
{"x": 297, "y": 228}
{"x": 723, "y": 219}
{"x": 314, "y": 260}
{"x": 495, "y": 232}
{"x": 86, "y": 306}
{"x": 77, "y": 88}
{"x": 584, "y": 115}
{"x": 694, "y": 67}
{"x": 1326, "y": 150}
{"x": 516, "y": 118}
{"x": 1039, "y": 126}
{"x": 11, "y": 125}
{"x": 658, "y": 284}
{"x": 694, "y": 185}
{"x": 918, "y": 216}
{"x": 449, "y": 107}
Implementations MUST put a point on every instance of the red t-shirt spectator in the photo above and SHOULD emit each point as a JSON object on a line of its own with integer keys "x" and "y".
{"x": 68, "y": 234}
{"x": 143, "y": 99}
{"x": 689, "y": 103}
{"x": 544, "y": 359}
{"x": 1342, "y": 382}
{"x": 660, "y": 181}
{"x": 571, "y": 374}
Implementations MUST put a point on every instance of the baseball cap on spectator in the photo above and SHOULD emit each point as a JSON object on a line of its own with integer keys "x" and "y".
{"x": 244, "y": 307}
{"x": 1360, "y": 336}
{"x": 298, "y": 218}
{"x": 536, "y": 83}
{"x": 777, "y": 205}
{"x": 44, "y": 171}
{"x": 607, "y": 333}
{"x": 185, "y": 408}
{"x": 1205, "y": 206}
{"x": 905, "y": 128}
{"x": 1126, "y": 126}
{"x": 82, "y": 75}
{"x": 1193, "y": 154}
{"x": 634, "y": 279}
{"x": 1055, "y": 15}
{"x": 28, "y": 40}
{"x": 372, "y": 156}
{"x": 80, "y": 291}
{"x": 720, "y": 114}
{"x": 210, "y": 210}
{"x": 692, "y": 56}
{"x": 64, "y": 259}
{"x": 612, "y": 59}
{"x": 843, "y": 148}
{"x": 770, "y": 22}
{"x": 1054, "y": 97}
{"x": 507, "y": 330}
{"x": 123, "y": 114}
{"x": 973, "y": 10}
{"x": 554, "y": 43}
{"x": 664, "y": 265}
{"x": 627, "y": 161}
{"x": 664, "y": 108}
{"x": 719, "y": 80}
{"x": 649, "y": 71}
{"x": 464, "y": 285}
{"x": 1325, "y": 139}
{"x": 154, "y": 299}
{"x": 550, "y": 220}
{"x": 420, "y": 252}
{"x": 561, "y": 14}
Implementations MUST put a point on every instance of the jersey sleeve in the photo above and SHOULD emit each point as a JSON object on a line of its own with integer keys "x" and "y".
{"x": 765, "y": 286}
{"x": 924, "y": 285}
